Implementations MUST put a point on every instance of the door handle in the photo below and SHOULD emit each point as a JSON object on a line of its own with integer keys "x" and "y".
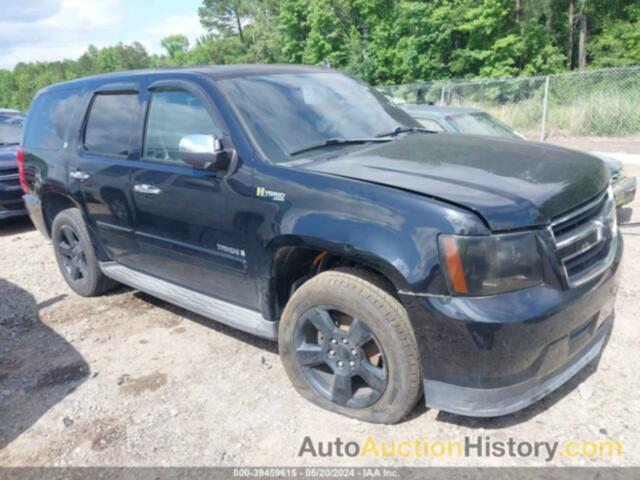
{"x": 79, "y": 176}
{"x": 146, "y": 190}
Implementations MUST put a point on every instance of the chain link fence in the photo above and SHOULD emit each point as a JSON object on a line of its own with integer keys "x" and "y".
{"x": 598, "y": 103}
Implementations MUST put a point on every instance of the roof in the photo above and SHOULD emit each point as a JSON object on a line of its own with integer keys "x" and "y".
{"x": 436, "y": 111}
{"x": 217, "y": 72}
{"x": 227, "y": 71}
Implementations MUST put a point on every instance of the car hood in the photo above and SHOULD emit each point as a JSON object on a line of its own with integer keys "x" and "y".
{"x": 512, "y": 184}
{"x": 8, "y": 156}
{"x": 613, "y": 164}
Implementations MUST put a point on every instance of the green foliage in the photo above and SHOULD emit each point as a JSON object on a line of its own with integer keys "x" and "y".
{"x": 382, "y": 41}
{"x": 18, "y": 87}
{"x": 177, "y": 47}
{"x": 224, "y": 16}
{"x": 293, "y": 28}
{"x": 619, "y": 43}
{"x": 606, "y": 113}
{"x": 217, "y": 50}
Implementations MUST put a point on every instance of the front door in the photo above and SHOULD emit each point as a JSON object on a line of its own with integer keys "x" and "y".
{"x": 187, "y": 228}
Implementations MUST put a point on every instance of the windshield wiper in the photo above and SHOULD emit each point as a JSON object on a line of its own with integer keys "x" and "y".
{"x": 399, "y": 130}
{"x": 337, "y": 141}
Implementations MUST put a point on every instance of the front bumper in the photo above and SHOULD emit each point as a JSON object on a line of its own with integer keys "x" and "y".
{"x": 624, "y": 191}
{"x": 491, "y": 356}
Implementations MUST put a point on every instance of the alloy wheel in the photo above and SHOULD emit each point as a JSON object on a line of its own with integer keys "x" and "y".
{"x": 340, "y": 357}
{"x": 73, "y": 257}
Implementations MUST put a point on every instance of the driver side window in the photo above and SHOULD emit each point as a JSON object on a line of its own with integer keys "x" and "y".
{"x": 172, "y": 115}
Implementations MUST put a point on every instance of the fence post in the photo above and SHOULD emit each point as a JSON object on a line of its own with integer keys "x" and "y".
{"x": 545, "y": 102}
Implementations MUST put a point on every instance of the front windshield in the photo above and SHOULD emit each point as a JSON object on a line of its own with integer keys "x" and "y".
{"x": 289, "y": 112}
{"x": 10, "y": 129}
{"x": 481, "y": 123}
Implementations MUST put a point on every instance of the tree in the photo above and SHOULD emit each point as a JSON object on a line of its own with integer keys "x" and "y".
{"x": 381, "y": 41}
{"x": 225, "y": 16}
{"x": 176, "y": 47}
{"x": 218, "y": 50}
{"x": 294, "y": 27}
{"x": 121, "y": 57}
{"x": 619, "y": 43}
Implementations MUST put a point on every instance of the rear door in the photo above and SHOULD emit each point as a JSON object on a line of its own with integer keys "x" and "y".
{"x": 187, "y": 223}
{"x": 101, "y": 171}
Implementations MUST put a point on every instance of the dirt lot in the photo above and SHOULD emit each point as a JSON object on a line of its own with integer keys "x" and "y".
{"x": 129, "y": 380}
{"x": 629, "y": 144}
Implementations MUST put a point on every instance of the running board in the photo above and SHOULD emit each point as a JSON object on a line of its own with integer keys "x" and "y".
{"x": 237, "y": 317}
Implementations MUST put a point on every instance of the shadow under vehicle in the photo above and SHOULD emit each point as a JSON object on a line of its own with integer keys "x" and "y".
{"x": 38, "y": 367}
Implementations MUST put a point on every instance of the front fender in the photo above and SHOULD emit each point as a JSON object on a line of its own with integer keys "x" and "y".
{"x": 393, "y": 231}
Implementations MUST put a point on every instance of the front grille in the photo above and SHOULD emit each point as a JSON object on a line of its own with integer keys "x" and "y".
{"x": 9, "y": 177}
{"x": 584, "y": 238}
{"x": 14, "y": 207}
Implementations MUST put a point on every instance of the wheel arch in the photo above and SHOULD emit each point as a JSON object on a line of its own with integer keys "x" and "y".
{"x": 295, "y": 260}
{"x": 53, "y": 203}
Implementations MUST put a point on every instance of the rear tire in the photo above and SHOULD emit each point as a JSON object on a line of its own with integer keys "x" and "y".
{"x": 371, "y": 371}
{"x": 76, "y": 256}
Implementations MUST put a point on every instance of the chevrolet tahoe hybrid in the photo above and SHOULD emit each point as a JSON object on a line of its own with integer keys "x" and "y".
{"x": 298, "y": 204}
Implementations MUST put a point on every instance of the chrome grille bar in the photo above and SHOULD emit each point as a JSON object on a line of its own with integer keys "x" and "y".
{"x": 575, "y": 213}
{"x": 584, "y": 241}
{"x": 14, "y": 176}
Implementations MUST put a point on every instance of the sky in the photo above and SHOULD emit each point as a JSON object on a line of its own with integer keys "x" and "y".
{"x": 47, "y": 30}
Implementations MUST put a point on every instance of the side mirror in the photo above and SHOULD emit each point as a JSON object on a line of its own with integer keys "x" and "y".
{"x": 204, "y": 151}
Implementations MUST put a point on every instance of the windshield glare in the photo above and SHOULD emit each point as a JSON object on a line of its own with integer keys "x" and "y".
{"x": 10, "y": 129}
{"x": 288, "y": 112}
{"x": 481, "y": 124}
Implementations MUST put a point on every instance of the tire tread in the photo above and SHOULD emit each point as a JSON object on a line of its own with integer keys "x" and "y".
{"x": 102, "y": 283}
{"x": 371, "y": 289}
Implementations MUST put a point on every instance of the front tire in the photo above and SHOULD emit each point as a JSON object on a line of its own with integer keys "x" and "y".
{"x": 76, "y": 256}
{"x": 347, "y": 346}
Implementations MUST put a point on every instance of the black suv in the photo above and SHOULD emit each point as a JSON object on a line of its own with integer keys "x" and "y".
{"x": 298, "y": 204}
{"x": 11, "y": 204}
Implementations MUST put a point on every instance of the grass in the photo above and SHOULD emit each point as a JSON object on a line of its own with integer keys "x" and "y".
{"x": 601, "y": 114}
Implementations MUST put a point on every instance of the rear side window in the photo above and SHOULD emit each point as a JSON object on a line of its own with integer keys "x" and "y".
{"x": 49, "y": 119}
{"x": 112, "y": 123}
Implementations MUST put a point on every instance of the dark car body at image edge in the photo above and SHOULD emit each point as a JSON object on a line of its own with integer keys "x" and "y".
{"x": 447, "y": 224}
{"x": 11, "y": 204}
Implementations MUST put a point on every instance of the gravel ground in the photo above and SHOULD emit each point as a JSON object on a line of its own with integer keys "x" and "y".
{"x": 126, "y": 379}
{"x": 628, "y": 144}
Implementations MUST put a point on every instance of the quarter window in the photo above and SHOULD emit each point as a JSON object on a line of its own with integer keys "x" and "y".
{"x": 112, "y": 123}
{"x": 49, "y": 119}
{"x": 174, "y": 114}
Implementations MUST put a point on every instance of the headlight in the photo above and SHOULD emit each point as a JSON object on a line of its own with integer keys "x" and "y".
{"x": 488, "y": 265}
